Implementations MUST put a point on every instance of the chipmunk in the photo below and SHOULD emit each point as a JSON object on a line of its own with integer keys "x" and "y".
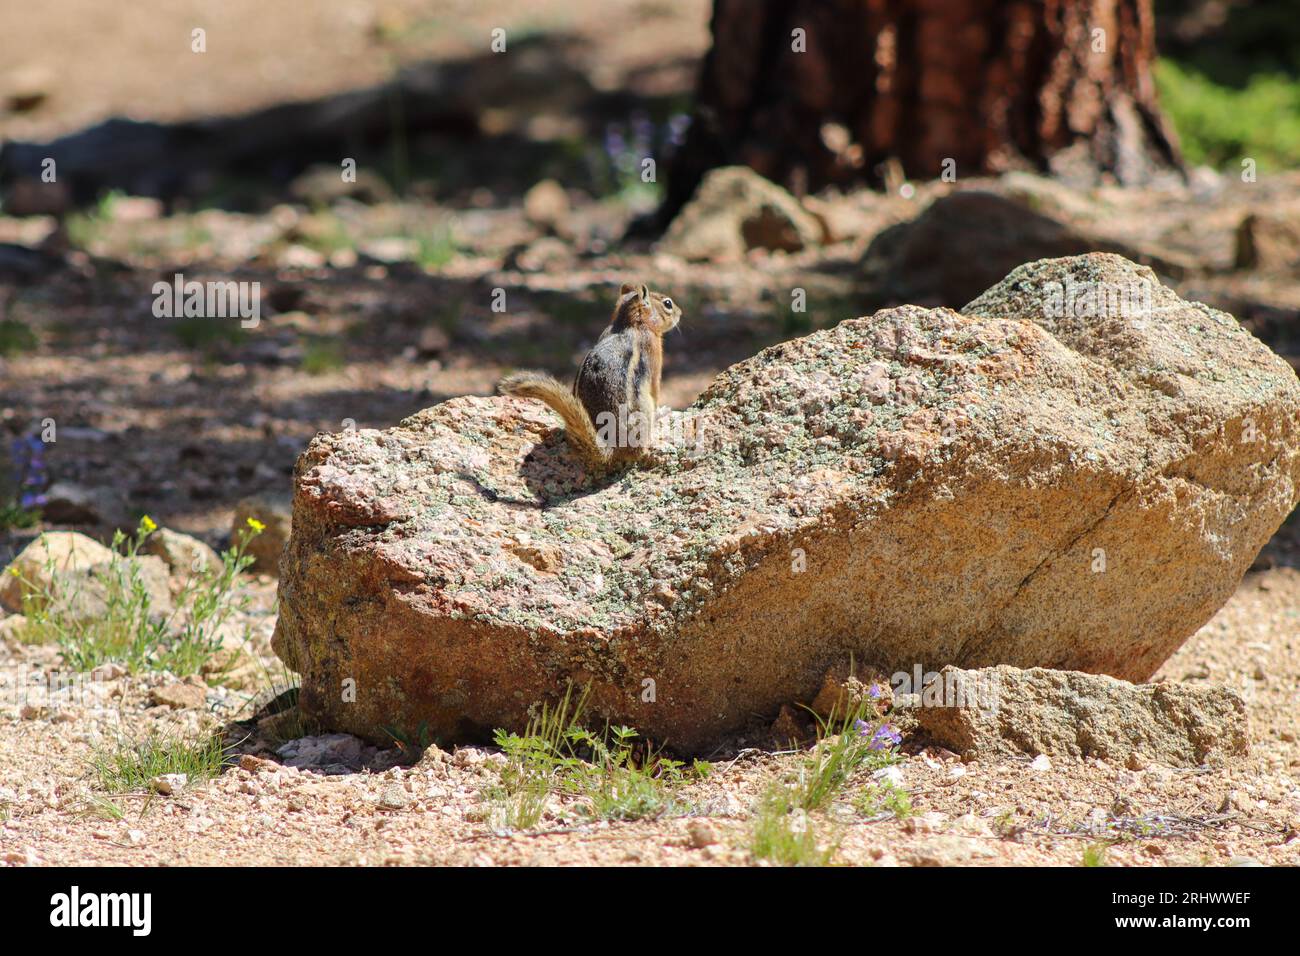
{"x": 609, "y": 416}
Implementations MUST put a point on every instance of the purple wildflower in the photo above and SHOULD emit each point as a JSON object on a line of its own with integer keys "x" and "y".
{"x": 615, "y": 145}
{"x": 28, "y": 454}
{"x": 678, "y": 124}
{"x": 885, "y": 737}
{"x": 643, "y": 133}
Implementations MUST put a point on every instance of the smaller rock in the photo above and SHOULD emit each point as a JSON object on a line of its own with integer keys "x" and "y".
{"x": 931, "y": 822}
{"x": 24, "y": 857}
{"x": 86, "y": 595}
{"x": 109, "y": 671}
{"x": 1009, "y": 711}
{"x": 28, "y": 88}
{"x": 843, "y": 694}
{"x": 183, "y": 554}
{"x": 232, "y": 667}
{"x": 892, "y": 775}
{"x": 273, "y": 514}
{"x": 183, "y": 695}
{"x": 433, "y": 341}
{"x": 69, "y": 503}
{"x": 467, "y": 757}
{"x": 1041, "y": 763}
{"x": 972, "y": 825}
{"x": 701, "y": 833}
{"x": 394, "y": 798}
{"x": 1269, "y": 241}
{"x": 792, "y": 727}
{"x": 734, "y": 209}
{"x": 297, "y": 256}
{"x": 11, "y": 629}
{"x": 546, "y": 205}
{"x": 257, "y": 764}
{"x": 542, "y": 255}
{"x": 169, "y": 784}
{"x": 323, "y": 185}
{"x": 391, "y": 249}
{"x": 949, "y": 850}
{"x": 30, "y": 572}
{"x": 322, "y": 751}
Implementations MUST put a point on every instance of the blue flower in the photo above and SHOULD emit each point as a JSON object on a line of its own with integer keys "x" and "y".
{"x": 677, "y": 127}
{"x": 28, "y": 455}
{"x": 885, "y": 737}
{"x": 614, "y": 143}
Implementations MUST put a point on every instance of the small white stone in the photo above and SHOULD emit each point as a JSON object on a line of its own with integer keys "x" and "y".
{"x": 893, "y": 774}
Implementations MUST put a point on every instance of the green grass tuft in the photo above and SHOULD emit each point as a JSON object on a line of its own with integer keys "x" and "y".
{"x": 1094, "y": 855}
{"x": 786, "y": 834}
{"x": 206, "y": 334}
{"x": 16, "y": 337}
{"x": 842, "y": 748}
{"x": 875, "y": 800}
{"x": 128, "y": 765}
{"x": 786, "y": 817}
{"x": 605, "y": 776}
{"x": 321, "y": 356}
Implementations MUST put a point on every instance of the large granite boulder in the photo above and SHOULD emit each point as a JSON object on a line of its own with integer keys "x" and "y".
{"x": 1074, "y": 474}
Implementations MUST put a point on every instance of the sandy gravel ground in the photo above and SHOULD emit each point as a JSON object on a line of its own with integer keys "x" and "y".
{"x": 259, "y": 812}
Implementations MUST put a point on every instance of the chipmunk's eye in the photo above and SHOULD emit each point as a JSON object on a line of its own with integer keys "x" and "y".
{"x": 668, "y": 304}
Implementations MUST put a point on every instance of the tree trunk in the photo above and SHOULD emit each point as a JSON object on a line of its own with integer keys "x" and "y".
{"x": 885, "y": 88}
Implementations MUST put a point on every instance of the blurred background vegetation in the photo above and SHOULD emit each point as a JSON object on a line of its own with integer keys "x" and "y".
{"x": 1229, "y": 79}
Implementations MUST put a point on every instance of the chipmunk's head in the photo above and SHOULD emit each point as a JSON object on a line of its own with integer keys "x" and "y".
{"x": 638, "y": 306}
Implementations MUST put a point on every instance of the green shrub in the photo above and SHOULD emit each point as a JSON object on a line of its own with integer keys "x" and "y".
{"x": 1219, "y": 125}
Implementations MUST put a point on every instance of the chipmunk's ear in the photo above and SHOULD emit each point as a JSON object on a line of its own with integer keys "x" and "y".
{"x": 625, "y": 289}
{"x": 645, "y": 294}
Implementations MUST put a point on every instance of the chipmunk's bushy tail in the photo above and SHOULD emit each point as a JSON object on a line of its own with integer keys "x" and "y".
{"x": 577, "y": 423}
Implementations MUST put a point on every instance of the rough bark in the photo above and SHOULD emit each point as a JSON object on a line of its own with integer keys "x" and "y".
{"x": 888, "y": 87}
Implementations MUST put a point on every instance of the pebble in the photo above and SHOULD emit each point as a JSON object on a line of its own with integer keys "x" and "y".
{"x": 169, "y": 784}
{"x": 893, "y": 774}
{"x": 702, "y": 833}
